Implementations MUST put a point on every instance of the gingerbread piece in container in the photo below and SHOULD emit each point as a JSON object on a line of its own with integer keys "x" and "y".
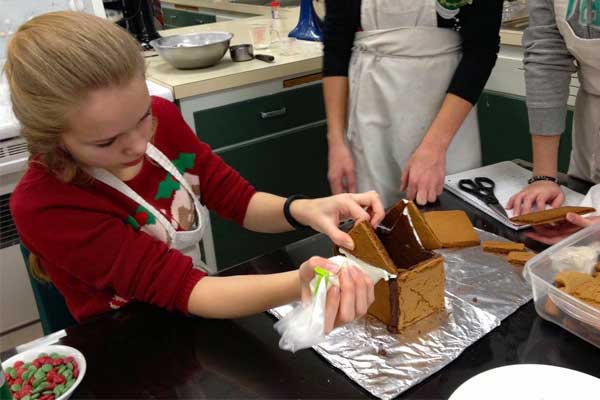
{"x": 580, "y": 285}
{"x": 568, "y": 281}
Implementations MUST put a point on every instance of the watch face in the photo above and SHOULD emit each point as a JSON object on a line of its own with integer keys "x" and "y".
{"x": 319, "y": 6}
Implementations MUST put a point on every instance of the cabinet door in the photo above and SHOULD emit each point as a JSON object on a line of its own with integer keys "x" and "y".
{"x": 281, "y": 164}
{"x": 504, "y": 130}
{"x": 249, "y": 119}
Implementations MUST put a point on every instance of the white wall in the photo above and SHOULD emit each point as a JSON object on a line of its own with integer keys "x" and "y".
{"x": 15, "y": 12}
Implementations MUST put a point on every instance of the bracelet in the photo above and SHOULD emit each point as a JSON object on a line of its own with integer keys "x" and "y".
{"x": 288, "y": 215}
{"x": 536, "y": 178}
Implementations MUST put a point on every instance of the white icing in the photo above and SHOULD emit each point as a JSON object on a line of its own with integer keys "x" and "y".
{"x": 581, "y": 259}
{"x": 407, "y": 213}
{"x": 373, "y": 272}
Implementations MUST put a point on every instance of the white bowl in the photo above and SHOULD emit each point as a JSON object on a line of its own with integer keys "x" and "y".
{"x": 64, "y": 351}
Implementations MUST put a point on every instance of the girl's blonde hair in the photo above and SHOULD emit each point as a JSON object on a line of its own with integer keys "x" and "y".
{"x": 52, "y": 63}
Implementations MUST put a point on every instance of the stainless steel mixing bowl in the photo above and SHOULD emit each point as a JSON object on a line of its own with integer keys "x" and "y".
{"x": 195, "y": 50}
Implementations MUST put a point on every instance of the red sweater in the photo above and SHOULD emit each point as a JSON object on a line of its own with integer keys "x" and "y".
{"x": 101, "y": 249}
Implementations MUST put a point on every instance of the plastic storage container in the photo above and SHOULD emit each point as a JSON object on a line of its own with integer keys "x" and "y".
{"x": 553, "y": 304}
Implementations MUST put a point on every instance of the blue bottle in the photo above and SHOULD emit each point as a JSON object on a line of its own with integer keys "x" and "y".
{"x": 309, "y": 25}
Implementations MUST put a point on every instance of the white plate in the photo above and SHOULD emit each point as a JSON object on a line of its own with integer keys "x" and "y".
{"x": 528, "y": 381}
{"x": 65, "y": 351}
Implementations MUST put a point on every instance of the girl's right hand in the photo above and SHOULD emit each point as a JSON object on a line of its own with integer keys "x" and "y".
{"x": 342, "y": 178}
{"x": 345, "y": 303}
{"x": 539, "y": 194}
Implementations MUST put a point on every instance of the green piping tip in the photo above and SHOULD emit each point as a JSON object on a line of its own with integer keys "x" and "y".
{"x": 321, "y": 273}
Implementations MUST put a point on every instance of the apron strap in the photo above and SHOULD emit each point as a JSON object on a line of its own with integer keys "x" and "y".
{"x": 156, "y": 155}
{"x": 416, "y": 41}
{"x": 109, "y": 179}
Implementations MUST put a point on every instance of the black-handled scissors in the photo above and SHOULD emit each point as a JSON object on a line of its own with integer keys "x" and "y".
{"x": 483, "y": 188}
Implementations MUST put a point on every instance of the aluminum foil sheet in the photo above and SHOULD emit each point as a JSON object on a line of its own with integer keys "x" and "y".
{"x": 481, "y": 290}
{"x": 485, "y": 280}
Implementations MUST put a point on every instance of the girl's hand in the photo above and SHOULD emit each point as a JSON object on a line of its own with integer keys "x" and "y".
{"x": 345, "y": 303}
{"x": 423, "y": 175}
{"x": 538, "y": 193}
{"x": 325, "y": 214}
{"x": 554, "y": 233}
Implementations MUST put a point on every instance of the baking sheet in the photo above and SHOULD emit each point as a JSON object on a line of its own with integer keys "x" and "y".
{"x": 510, "y": 179}
{"x": 481, "y": 290}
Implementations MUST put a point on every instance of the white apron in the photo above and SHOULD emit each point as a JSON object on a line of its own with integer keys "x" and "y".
{"x": 585, "y": 154}
{"x": 400, "y": 71}
{"x": 186, "y": 242}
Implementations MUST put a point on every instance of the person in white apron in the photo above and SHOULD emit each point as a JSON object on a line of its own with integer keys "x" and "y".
{"x": 404, "y": 130}
{"x": 563, "y": 37}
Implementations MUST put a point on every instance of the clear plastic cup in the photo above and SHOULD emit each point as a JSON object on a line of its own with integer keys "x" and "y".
{"x": 263, "y": 35}
{"x": 260, "y": 35}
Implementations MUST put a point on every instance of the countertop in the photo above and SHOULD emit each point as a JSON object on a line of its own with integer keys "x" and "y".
{"x": 141, "y": 351}
{"x": 227, "y": 74}
{"x": 221, "y": 5}
{"x": 511, "y": 37}
{"x": 511, "y": 32}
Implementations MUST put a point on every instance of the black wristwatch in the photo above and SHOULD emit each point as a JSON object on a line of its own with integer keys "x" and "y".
{"x": 536, "y": 178}
{"x": 288, "y": 215}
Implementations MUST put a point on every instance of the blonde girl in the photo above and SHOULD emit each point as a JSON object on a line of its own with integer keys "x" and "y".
{"x": 115, "y": 198}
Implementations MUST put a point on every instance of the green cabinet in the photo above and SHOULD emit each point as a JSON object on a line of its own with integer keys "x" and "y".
{"x": 290, "y": 163}
{"x": 277, "y": 152}
{"x": 504, "y": 130}
{"x": 175, "y": 18}
{"x": 254, "y": 118}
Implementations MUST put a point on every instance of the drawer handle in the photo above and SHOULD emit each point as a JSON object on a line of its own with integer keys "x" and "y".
{"x": 272, "y": 114}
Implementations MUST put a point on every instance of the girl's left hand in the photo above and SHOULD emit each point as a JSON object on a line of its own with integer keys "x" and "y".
{"x": 346, "y": 303}
{"x": 554, "y": 233}
{"x": 325, "y": 214}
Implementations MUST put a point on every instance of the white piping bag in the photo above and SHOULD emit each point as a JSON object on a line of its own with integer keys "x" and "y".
{"x": 303, "y": 327}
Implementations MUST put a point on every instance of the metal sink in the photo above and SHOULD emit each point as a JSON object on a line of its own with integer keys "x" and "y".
{"x": 284, "y": 3}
